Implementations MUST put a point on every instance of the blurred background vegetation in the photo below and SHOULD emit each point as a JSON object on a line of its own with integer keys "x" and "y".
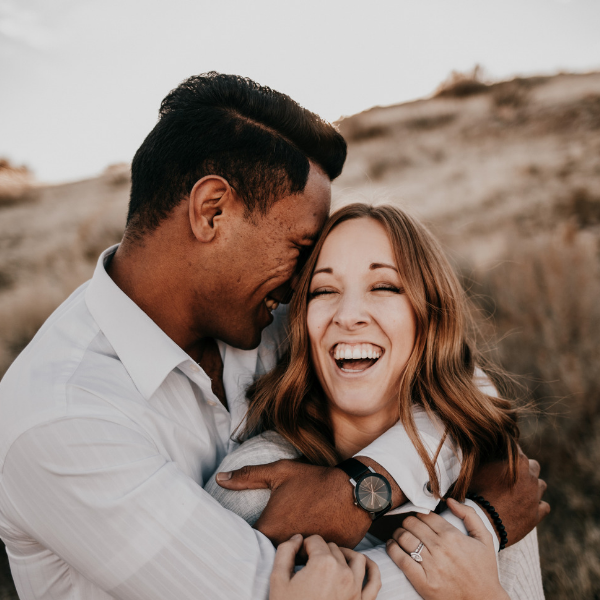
{"x": 507, "y": 174}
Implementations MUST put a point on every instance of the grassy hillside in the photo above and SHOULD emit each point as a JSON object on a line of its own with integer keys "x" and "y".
{"x": 508, "y": 176}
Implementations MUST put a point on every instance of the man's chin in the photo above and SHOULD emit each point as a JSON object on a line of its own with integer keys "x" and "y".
{"x": 248, "y": 338}
{"x": 245, "y": 341}
{"x": 247, "y": 346}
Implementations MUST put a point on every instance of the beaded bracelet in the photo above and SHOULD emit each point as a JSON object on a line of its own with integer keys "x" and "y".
{"x": 495, "y": 516}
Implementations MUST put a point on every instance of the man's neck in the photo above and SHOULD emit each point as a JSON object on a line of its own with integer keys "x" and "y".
{"x": 152, "y": 278}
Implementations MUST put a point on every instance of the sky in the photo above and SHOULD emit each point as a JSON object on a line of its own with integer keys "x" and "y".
{"x": 81, "y": 80}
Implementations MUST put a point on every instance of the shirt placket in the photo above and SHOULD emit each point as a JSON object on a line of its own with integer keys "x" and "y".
{"x": 221, "y": 416}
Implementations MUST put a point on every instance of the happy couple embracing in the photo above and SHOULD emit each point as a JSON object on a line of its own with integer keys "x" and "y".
{"x": 130, "y": 425}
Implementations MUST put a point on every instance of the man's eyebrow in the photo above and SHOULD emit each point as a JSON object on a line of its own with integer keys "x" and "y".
{"x": 323, "y": 270}
{"x": 374, "y": 266}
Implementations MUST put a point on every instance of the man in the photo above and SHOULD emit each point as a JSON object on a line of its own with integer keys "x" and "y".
{"x": 125, "y": 402}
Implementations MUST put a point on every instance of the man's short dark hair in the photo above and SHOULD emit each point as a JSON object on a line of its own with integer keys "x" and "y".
{"x": 258, "y": 139}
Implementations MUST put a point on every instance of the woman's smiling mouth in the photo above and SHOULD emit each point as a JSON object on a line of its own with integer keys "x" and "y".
{"x": 356, "y": 358}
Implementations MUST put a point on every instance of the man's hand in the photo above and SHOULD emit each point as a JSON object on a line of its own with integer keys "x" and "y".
{"x": 521, "y": 508}
{"x": 307, "y": 499}
{"x": 454, "y": 566}
{"x": 331, "y": 573}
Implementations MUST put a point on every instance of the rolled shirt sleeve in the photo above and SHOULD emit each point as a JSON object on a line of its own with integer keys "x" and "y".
{"x": 99, "y": 495}
{"x": 395, "y": 452}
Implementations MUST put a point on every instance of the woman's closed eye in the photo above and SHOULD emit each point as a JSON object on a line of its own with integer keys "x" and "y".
{"x": 380, "y": 287}
{"x": 387, "y": 287}
{"x": 322, "y": 291}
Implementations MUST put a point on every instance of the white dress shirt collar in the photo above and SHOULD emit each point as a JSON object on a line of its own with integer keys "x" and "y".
{"x": 145, "y": 350}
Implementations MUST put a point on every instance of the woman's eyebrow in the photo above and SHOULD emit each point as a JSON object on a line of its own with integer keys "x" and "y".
{"x": 374, "y": 266}
{"x": 323, "y": 270}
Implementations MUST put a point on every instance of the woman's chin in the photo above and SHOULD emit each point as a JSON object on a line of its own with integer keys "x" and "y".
{"x": 359, "y": 405}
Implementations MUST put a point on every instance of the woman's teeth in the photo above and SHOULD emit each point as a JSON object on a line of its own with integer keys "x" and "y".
{"x": 271, "y": 304}
{"x": 356, "y": 351}
{"x": 355, "y": 358}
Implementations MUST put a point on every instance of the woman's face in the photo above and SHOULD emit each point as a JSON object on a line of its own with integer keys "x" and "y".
{"x": 360, "y": 322}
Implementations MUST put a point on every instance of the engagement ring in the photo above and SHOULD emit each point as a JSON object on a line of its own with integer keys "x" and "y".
{"x": 415, "y": 555}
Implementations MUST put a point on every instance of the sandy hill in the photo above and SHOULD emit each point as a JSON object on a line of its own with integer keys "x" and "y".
{"x": 510, "y": 159}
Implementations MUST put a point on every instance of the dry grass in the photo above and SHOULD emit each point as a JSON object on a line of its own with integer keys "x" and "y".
{"x": 461, "y": 85}
{"x": 16, "y": 184}
{"x": 543, "y": 302}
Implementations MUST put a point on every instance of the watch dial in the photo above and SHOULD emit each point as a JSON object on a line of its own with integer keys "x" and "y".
{"x": 374, "y": 493}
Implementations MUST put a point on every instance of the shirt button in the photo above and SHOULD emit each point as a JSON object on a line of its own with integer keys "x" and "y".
{"x": 211, "y": 403}
{"x": 427, "y": 490}
{"x": 195, "y": 368}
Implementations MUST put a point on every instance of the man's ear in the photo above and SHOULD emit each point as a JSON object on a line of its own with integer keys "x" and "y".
{"x": 209, "y": 198}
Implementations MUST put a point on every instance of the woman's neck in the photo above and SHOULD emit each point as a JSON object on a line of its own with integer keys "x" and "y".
{"x": 352, "y": 433}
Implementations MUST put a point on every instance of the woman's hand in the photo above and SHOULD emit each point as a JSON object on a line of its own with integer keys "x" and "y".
{"x": 331, "y": 573}
{"x": 454, "y": 566}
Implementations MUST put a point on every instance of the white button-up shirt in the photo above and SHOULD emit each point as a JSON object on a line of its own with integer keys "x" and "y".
{"x": 108, "y": 431}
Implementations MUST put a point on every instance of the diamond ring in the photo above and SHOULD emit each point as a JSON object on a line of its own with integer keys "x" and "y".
{"x": 415, "y": 555}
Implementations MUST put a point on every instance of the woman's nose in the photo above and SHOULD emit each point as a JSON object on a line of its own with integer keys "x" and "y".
{"x": 351, "y": 312}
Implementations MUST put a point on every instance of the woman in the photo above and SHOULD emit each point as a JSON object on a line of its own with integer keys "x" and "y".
{"x": 379, "y": 332}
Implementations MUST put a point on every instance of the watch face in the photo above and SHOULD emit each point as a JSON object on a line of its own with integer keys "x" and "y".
{"x": 373, "y": 493}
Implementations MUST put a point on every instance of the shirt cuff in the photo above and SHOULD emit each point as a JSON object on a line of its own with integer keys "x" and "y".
{"x": 396, "y": 453}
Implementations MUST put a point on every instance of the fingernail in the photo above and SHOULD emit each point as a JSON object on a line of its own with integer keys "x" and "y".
{"x": 296, "y": 537}
{"x": 225, "y": 476}
{"x": 389, "y": 542}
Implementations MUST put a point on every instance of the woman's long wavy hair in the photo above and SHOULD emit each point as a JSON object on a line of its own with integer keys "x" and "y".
{"x": 439, "y": 375}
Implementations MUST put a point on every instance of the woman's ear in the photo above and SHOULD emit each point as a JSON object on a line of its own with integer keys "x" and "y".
{"x": 210, "y": 197}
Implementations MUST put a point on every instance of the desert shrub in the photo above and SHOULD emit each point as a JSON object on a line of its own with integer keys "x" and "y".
{"x": 580, "y": 206}
{"x": 511, "y": 94}
{"x": 354, "y": 130}
{"x": 582, "y": 115}
{"x": 379, "y": 168}
{"x": 97, "y": 235}
{"x": 461, "y": 85}
{"x": 6, "y": 278}
{"x": 118, "y": 174}
{"x": 16, "y": 183}
{"x": 543, "y": 302}
{"x": 430, "y": 122}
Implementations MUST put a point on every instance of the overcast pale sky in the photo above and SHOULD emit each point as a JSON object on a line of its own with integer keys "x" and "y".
{"x": 81, "y": 80}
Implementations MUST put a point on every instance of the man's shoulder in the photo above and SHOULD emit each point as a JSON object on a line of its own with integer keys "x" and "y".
{"x": 61, "y": 373}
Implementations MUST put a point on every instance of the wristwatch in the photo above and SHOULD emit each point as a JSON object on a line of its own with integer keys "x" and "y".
{"x": 372, "y": 491}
